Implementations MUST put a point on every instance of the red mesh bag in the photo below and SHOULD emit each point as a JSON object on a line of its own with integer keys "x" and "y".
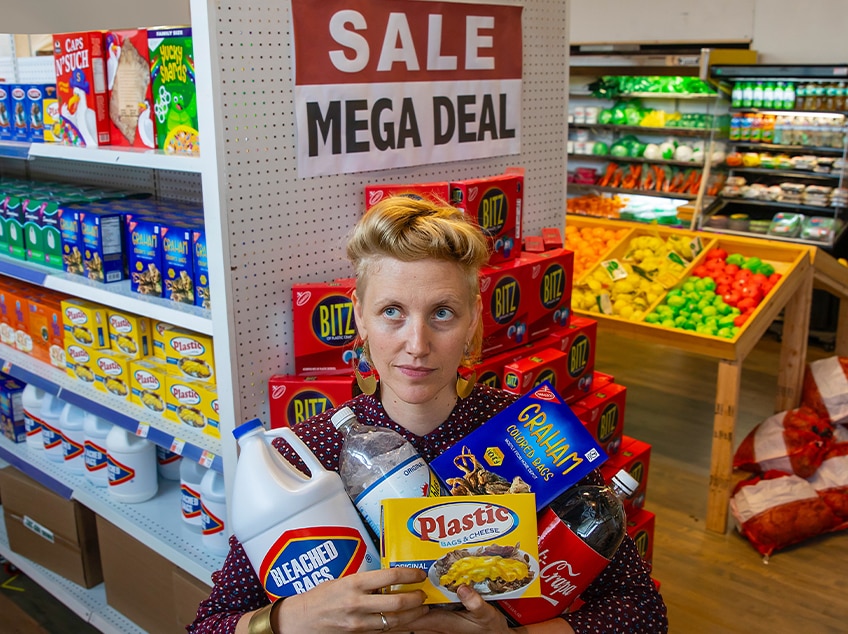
{"x": 831, "y": 478}
{"x": 775, "y": 510}
{"x": 826, "y": 388}
{"x": 793, "y": 441}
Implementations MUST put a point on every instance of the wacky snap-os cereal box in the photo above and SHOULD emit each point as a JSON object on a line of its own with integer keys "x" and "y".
{"x": 81, "y": 88}
{"x": 130, "y": 97}
{"x": 488, "y": 542}
{"x": 174, "y": 92}
{"x": 536, "y": 445}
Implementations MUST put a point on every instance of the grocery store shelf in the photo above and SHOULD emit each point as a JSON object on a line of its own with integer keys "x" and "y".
{"x": 748, "y": 234}
{"x": 781, "y": 205}
{"x": 777, "y": 147}
{"x": 589, "y": 189}
{"x": 127, "y": 157}
{"x": 649, "y": 95}
{"x": 14, "y": 149}
{"x": 114, "y": 294}
{"x": 671, "y": 131}
{"x": 190, "y": 443}
{"x": 90, "y": 605}
{"x": 633, "y": 159}
{"x": 792, "y": 112}
{"x": 806, "y": 174}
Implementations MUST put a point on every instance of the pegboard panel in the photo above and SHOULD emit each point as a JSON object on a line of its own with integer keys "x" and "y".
{"x": 284, "y": 229}
{"x": 183, "y": 186}
{"x": 99, "y": 175}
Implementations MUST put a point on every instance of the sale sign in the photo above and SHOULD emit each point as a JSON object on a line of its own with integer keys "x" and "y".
{"x": 382, "y": 84}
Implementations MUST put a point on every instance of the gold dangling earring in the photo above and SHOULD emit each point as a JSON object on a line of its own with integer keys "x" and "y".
{"x": 367, "y": 382}
{"x": 464, "y": 386}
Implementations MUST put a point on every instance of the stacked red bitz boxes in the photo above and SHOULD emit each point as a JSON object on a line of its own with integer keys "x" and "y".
{"x": 293, "y": 399}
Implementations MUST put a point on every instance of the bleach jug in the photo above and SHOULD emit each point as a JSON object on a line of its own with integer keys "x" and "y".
{"x": 167, "y": 463}
{"x": 280, "y": 515}
{"x": 95, "y": 431}
{"x": 191, "y": 477}
{"x": 131, "y": 466}
{"x": 51, "y": 434}
{"x": 33, "y": 400}
{"x": 213, "y": 513}
{"x": 71, "y": 422}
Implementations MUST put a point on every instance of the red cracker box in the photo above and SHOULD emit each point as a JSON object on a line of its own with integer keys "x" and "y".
{"x": 293, "y": 399}
{"x": 494, "y": 203}
{"x": 435, "y": 192}
{"x": 551, "y": 274}
{"x": 635, "y": 457}
{"x": 602, "y": 412}
{"x": 131, "y": 119}
{"x": 81, "y": 88}
{"x": 504, "y": 291}
{"x": 577, "y": 340}
{"x": 640, "y": 527}
{"x": 600, "y": 379}
{"x": 326, "y": 331}
{"x": 490, "y": 370}
{"x": 526, "y": 373}
{"x": 552, "y": 237}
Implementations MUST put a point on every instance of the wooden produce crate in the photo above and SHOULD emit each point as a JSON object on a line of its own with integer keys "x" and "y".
{"x": 585, "y": 222}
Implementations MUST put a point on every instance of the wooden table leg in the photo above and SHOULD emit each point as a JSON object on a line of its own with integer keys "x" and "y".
{"x": 793, "y": 349}
{"x": 721, "y": 462}
{"x": 842, "y": 329}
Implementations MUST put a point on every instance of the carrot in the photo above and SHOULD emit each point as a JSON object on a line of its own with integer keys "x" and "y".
{"x": 615, "y": 181}
{"x": 605, "y": 179}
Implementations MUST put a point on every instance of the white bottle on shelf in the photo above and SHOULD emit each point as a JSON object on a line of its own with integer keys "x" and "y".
{"x": 168, "y": 463}
{"x": 71, "y": 423}
{"x": 191, "y": 476}
{"x": 213, "y": 513}
{"x": 95, "y": 431}
{"x": 33, "y": 400}
{"x": 51, "y": 433}
{"x": 132, "y": 466}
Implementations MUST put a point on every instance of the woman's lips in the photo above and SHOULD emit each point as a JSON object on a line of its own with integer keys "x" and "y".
{"x": 414, "y": 371}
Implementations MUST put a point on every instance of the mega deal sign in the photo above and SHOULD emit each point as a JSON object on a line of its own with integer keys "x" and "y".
{"x": 382, "y": 84}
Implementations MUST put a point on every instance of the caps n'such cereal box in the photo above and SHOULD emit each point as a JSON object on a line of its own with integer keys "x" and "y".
{"x": 81, "y": 88}
{"x": 484, "y": 541}
{"x": 536, "y": 445}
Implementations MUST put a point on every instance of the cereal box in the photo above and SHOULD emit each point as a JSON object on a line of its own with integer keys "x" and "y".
{"x": 130, "y": 97}
{"x": 323, "y": 319}
{"x": 80, "y": 363}
{"x": 526, "y": 373}
{"x": 52, "y": 119}
{"x": 144, "y": 257}
{"x": 112, "y": 372}
{"x": 191, "y": 403}
{"x": 190, "y": 355}
{"x": 43, "y": 234}
{"x": 485, "y": 541}
{"x": 549, "y": 295}
{"x": 202, "y": 296}
{"x": 436, "y": 192}
{"x": 177, "y": 261}
{"x": 13, "y": 215}
{"x": 293, "y": 399}
{"x": 102, "y": 232}
{"x": 602, "y": 412}
{"x": 536, "y": 445}
{"x": 504, "y": 291}
{"x": 38, "y": 97}
{"x": 72, "y": 243}
{"x": 129, "y": 334}
{"x": 174, "y": 92}
{"x": 147, "y": 384}
{"x": 6, "y": 129}
{"x": 86, "y": 324}
{"x": 11, "y": 409}
{"x": 494, "y": 203}
{"x": 157, "y": 334}
{"x": 20, "y": 124}
{"x": 81, "y": 88}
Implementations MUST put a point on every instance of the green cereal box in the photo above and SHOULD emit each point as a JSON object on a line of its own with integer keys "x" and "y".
{"x": 13, "y": 216}
{"x": 174, "y": 92}
{"x": 42, "y": 233}
{"x": 178, "y": 261}
{"x": 202, "y": 297}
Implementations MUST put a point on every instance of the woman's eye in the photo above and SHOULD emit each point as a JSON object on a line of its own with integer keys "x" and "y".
{"x": 391, "y": 312}
{"x": 442, "y": 314}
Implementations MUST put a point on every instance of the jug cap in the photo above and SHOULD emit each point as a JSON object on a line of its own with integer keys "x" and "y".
{"x": 246, "y": 428}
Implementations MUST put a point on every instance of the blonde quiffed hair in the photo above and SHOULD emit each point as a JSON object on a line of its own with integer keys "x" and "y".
{"x": 410, "y": 229}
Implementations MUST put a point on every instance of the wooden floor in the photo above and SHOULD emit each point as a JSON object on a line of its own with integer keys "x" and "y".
{"x": 718, "y": 583}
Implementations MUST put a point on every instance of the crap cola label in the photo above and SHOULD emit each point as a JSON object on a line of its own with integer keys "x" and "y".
{"x": 506, "y": 298}
{"x": 302, "y": 558}
{"x": 567, "y": 565}
{"x": 119, "y": 473}
{"x": 552, "y": 287}
{"x": 493, "y": 211}
{"x": 94, "y": 456}
{"x": 332, "y": 321}
{"x": 307, "y": 404}
{"x": 578, "y": 356}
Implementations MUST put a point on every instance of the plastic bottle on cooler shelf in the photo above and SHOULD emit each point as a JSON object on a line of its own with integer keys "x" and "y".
{"x": 132, "y": 466}
{"x": 51, "y": 433}
{"x": 277, "y": 510}
{"x": 71, "y": 422}
{"x": 377, "y": 463}
{"x": 168, "y": 463}
{"x": 213, "y": 513}
{"x": 95, "y": 431}
{"x": 191, "y": 477}
{"x": 33, "y": 399}
{"x": 579, "y": 533}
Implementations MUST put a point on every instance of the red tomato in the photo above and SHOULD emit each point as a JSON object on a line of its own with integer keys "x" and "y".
{"x": 759, "y": 278}
{"x": 714, "y": 265}
{"x": 723, "y": 290}
{"x": 724, "y": 280}
{"x": 743, "y": 274}
{"x": 766, "y": 288}
{"x": 732, "y": 298}
{"x": 747, "y": 304}
{"x": 774, "y": 278}
{"x": 716, "y": 254}
{"x": 701, "y": 271}
{"x": 731, "y": 269}
{"x": 753, "y": 292}
{"x": 741, "y": 319}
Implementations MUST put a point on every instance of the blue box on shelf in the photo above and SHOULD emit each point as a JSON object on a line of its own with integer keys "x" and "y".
{"x": 202, "y": 297}
{"x": 144, "y": 254}
{"x": 103, "y": 254}
{"x": 177, "y": 261}
{"x": 6, "y": 130}
{"x": 12, "y": 409}
{"x": 20, "y": 119}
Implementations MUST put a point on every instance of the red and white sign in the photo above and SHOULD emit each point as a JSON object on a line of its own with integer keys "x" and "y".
{"x": 383, "y": 84}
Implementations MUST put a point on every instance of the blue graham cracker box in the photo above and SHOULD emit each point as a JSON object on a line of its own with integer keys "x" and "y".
{"x": 536, "y": 445}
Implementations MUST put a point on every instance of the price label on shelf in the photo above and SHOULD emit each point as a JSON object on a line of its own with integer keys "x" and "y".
{"x": 7, "y": 367}
{"x": 614, "y": 269}
{"x": 177, "y": 446}
{"x": 142, "y": 430}
{"x": 206, "y": 459}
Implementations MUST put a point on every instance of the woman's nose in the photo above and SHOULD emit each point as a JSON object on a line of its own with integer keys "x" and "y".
{"x": 418, "y": 340}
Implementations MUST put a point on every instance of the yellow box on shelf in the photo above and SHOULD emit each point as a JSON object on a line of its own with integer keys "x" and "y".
{"x": 85, "y": 323}
{"x": 192, "y": 403}
{"x": 190, "y": 354}
{"x": 79, "y": 363}
{"x": 129, "y": 333}
{"x": 112, "y": 372}
{"x": 148, "y": 379}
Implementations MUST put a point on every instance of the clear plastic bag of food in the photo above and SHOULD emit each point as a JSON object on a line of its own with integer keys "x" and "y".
{"x": 786, "y": 224}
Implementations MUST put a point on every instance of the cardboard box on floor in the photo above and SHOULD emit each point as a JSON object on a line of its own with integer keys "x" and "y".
{"x": 59, "y": 534}
{"x": 157, "y": 596}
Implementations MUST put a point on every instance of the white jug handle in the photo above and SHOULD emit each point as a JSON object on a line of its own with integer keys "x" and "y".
{"x": 300, "y": 447}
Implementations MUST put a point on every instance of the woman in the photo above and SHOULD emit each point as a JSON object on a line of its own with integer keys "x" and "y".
{"x": 418, "y": 312}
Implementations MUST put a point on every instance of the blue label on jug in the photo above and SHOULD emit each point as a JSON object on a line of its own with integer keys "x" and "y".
{"x": 190, "y": 501}
{"x": 118, "y": 473}
{"x": 71, "y": 449}
{"x": 50, "y": 436}
{"x": 94, "y": 456}
{"x": 209, "y": 522}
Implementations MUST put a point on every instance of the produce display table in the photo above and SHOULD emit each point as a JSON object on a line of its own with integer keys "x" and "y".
{"x": 792, "y": 294}
{"x": 831, "y": 276}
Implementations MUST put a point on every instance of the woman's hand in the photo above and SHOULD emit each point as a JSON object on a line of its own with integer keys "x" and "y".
{"x": 354, "y": 604}
{"x": 478, "y": 617}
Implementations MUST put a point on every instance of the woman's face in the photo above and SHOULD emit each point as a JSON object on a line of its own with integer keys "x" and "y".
{"x": 417, "y": 318}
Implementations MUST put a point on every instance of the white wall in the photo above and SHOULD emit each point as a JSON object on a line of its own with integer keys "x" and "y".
{"x": 782, "y": 31}
{"x": 59, "y": 16}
